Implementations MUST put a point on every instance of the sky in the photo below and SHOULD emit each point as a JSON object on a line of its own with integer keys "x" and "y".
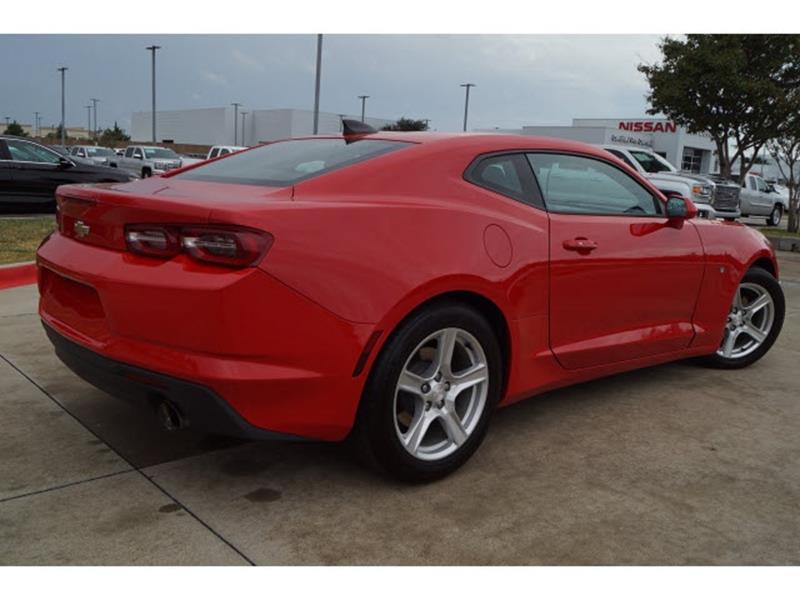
{"x": 520, "y": 79}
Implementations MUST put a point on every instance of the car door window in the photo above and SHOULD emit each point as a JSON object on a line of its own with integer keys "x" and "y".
{"x": 27, "y": 152}
{"x": 504, "y": 174}
{"x": 128, "y": 152}
{"x": 582, "y": 185}
{"x": 214, "y": 153}
{"x": 762, "y": 186}
{"x": 622, "y": 157}
{"x": 224, "y": 151}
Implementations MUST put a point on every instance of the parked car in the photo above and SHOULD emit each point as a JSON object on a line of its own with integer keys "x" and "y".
{"x": 30, "y": 173}
{"x": 713, "y": 198}
{"x": 216, "y": 151}
{"x": 761, "y": 199}
{"x": 95, "y": 154}
{"x": 191, "y": 159}
{"x": 62, "y": 150}
{"x": 393, "y": 287}
{"x": 146, "y": 161}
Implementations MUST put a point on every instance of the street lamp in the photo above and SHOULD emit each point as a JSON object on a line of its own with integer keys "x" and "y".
{"x": 89, "y": 121}
{"x": 94, "y": 106}
{"x": 244, "y": 117}
{"x": 235, "y": 106}
{"x": 63, "y": 107}
{"x": 153, "y": 50}
{"x": 466, "y": 102}
{"x": 363, "y": 106}
{"x": 316, "y": 83}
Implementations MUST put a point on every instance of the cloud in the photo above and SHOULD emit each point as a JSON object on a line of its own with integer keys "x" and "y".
{"x": 246, "y": 60}
{"x": 214, "y": 78}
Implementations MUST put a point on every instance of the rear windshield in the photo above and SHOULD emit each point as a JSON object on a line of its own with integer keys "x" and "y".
{"x": 285, "y": 163}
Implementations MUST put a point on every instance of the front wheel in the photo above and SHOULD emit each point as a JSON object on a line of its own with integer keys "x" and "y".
{"x": 427, "y": 403}
{"x": 754, "y": 321}
{"x": 774, "y": 218}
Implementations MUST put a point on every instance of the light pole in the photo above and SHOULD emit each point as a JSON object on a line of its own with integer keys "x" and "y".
{"x": 316, "y": 83}
{"x": 89, "y": 121}
{"x": 235, "y": 106}
{"x": 363, "y": 106}
{"x": 63, "y": 107}
{"x": 466, "y": 102}
{"x": 153, "y": 49}
{"x": 36, "y": 124}
{"x": 244, "y": 117}
{"x": 94, "y": 106}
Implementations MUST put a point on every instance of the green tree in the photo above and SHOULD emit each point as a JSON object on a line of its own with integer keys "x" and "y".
{"x": 404, "y": 124}
{"x": 113, "y": 136}
{"x": 786, "y": 152}
{"x": 15, "y": 128}
{"x": 731, "y": 87}
{"x": 54, "y": 135}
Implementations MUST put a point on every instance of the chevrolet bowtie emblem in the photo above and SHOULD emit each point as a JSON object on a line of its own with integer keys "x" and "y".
{"x": 81, "y": 229}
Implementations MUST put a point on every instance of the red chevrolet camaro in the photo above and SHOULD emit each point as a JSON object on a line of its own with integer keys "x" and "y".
{"x": 392, "y": 288}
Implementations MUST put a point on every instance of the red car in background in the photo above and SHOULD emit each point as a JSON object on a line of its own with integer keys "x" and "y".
{"x": 394, "y": 288}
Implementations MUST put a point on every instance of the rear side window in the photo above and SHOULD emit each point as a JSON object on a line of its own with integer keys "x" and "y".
{"x": 286, "y": 163}
{"x": 506, "y": 174}
{"x": 579, "y": 185}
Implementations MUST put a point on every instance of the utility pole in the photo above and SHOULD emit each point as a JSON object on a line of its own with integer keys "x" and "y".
{"x": 89, "y": 121}
{"x": 63, "y": 108}
{"x": 316, "y": 84}
{"x": 94, "y": 105}
{"x": 244, "y": 117}
{"x": 36, "y": 124}
{"x": 363, "y": 106}
{"x": 466, "y": 102}
{"x": 235, "y": 106}
{"x": 153, "y": 50}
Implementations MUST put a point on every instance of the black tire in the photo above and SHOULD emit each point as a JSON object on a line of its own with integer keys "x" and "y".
{"x": 146, "y": 173}
{"x": 375, "y": 436}
{"x": 763, "y": 278}
{"x": 774, "y": 218}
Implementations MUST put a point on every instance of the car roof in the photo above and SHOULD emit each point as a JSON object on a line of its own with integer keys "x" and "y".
{"x": 626, "y": 147}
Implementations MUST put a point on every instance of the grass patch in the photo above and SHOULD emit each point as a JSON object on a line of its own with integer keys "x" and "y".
{"x": 778, "y": 232}
{"x": 19, "y": 237}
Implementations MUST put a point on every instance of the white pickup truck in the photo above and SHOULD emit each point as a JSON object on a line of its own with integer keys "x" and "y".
{"x": 714, "y": 198}
{"x": 760, "y": 199}
{"x": 145, "y": 161}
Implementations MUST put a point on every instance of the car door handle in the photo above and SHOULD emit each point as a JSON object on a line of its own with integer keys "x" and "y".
{"x": 580, "y": 244}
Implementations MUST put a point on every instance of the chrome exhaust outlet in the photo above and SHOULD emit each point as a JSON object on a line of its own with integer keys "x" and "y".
{"x": 169, "y": 417}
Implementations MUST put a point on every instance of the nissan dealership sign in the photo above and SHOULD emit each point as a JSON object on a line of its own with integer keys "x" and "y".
{"x": 648, "y": 126}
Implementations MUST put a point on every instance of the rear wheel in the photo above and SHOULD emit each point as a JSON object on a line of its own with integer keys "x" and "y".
{"x": 754, "y": 321}
{"x": 774, "y": 218}
{"x": 146, "y": 173}
{"x": 427, "y": 403}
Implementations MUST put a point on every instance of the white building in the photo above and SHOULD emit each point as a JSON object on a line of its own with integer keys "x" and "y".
{"x": 687, "y": 151}
{"x": 211, "y": 126}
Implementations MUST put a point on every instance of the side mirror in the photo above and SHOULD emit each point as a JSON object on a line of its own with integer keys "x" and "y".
{"x": 679, "y": 207}
{"x": 65, "y": 163}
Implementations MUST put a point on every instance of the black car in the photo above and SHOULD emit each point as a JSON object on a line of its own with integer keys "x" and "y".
{"x": 30, "y": 173}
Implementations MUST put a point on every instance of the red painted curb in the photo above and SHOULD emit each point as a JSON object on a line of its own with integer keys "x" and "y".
{"x": 17, "y": 275}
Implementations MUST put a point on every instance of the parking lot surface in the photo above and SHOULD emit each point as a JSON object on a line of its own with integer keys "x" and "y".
{"x": 674, "y": 464}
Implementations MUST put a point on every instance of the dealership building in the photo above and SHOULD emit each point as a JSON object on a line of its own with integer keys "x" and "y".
{"x": 215, "y": 126}
{"x": 688, "y": 151}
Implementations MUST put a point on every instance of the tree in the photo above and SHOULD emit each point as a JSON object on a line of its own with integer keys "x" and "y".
{"x": 731, "y": 87}
{"x": 54, "y": 135}
{"x": 15, "y": 128}
{"x": 404, "y": 124}
{"x": 111, "y": 137}
{"x": 786, "y": 152}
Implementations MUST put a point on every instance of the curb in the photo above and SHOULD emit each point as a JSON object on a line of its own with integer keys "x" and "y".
{"x": 786, "y": 244}
{"x": 17, "y": 274}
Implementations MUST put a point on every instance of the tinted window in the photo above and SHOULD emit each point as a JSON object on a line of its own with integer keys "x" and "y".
{"x": 25, "y": 151}
{"x": 214, "y": 152}
{"x": 129, "y": 152}
{"x": 578, "y": 185}
{"x": 224, "y": 151}
{"x": 499, "y": 173}
{"x": 285, "y": 163}
{"x": 651, "y": 163}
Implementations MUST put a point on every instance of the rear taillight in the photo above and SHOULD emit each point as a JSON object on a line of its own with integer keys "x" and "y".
{"x": 220, "y": 245}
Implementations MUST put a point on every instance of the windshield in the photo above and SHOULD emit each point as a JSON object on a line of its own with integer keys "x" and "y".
{"x": 92, "y": 151}
{"x": 159, "y": 153}
{"x": 652, "y": 163}
{"x": 285, "y": 163}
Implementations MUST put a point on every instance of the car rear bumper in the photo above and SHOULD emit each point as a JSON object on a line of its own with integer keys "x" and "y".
{"x": 198, "y": 407}
{"x": 278, "y": 360}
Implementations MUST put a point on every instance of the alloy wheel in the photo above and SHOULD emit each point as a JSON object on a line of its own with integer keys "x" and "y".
{"x": 749, "y": 322}
{"x": 441, "y": 394}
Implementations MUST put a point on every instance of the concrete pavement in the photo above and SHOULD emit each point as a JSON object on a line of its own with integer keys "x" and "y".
{"x": 674, "y": 464}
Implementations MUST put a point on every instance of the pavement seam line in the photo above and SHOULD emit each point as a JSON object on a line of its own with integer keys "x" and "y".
{"x": 126, "y": 461}
{"x": 65, "y": 485}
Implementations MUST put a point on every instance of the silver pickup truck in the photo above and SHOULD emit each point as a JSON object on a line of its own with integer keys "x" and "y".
{"x": 146, "y": 161}
{"x": 760, "y": 199}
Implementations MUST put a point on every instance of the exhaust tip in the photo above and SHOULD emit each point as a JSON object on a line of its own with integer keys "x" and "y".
{"x": 169, "y": 417}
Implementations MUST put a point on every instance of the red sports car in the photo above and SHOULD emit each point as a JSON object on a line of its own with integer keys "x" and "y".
{"x": 392, "y": 288}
